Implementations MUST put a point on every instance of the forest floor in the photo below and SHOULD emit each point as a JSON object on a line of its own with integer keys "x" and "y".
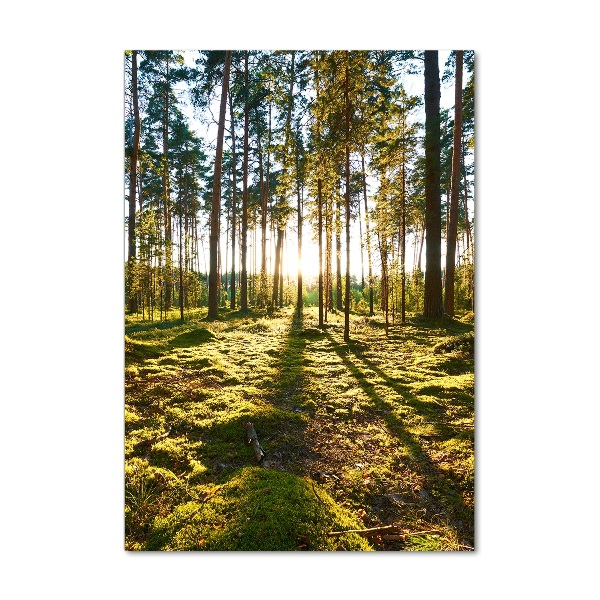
{"x": 374, "y": 432}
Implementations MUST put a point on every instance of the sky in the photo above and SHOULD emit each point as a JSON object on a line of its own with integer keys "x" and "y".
{"x": 310, "y": 256}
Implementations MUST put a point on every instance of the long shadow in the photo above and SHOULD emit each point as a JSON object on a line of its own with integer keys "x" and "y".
{"x": 426, "y": 408}
{"x": 436, "y": 479}
{"x": 286, "y": 392}
{"x": 279, "y": 417}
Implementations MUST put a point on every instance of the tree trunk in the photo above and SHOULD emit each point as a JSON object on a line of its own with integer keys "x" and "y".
{"x": 403, "y": 242}
{"x": 233, "y": 205}
{"x": 362, "y": 247}
{"x": 329, "y": 252}
{"x": 384, "y": 278}
{"x": 347, "y": 304}
{"x": 371, "y": 311}
{"x": 244, "y": 282}
{"x": 213, "y": 288}
{"x": 283, "y": 240}
{"x": 132, "y": 180}
{"x": 421, "y": 242}
{"x": 263, "y": 210}
{"x": 466, "y": 199}
{"x": 338, "y": 248}
{"x": 267, "y": 190}
{"x": 453, "y": 213}
{"x": 432, "y": 305}
{"x": 299, "y": 301}
{"x": 321, "y": 299}
{"x": 320, "y": 204}
{"x": 167, "y": 198}
{"x": 181, "y": 315}
{"x": 278, "y": 247}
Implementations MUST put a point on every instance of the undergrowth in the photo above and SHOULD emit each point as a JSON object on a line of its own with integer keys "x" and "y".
{"x": 369, "y": 433}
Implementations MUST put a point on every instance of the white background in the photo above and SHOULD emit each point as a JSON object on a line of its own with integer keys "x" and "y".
{"x": 61, "y": 534}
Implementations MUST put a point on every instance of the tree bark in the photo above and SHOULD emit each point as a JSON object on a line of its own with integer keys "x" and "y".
{"x": 263, "y": 209}
{"x": 329, "y": 253}
{"x": 276, "y": 278}
{"x": 283, "y": 240}
{"x": 403, "y": 242}
{"x": 338, "y": 248}
{"x": 455, "y": 185}
{"x": 244, "y": 282}
{"x": 181, "y": 294}
{"x": 420, "y": 248}
{"x": 347, "y": 111}
{"x": 233, "y": 204}
{"x": 319, "y": 201}
{"x": 299, "y": 301}
{"x": 371, "y": 311}
{"x": 432, "y": 305}
{"x": 278, "y": 274}
{"x": 214, "y": 283}
{"x": 167, "y": 198}
{"x": 132, "y": 178}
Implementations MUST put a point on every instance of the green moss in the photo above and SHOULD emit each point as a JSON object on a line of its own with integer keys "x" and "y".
{"x": 139, "y": 351}
{"x": 257, "y": 510}
{"x": 192, "y": 338}
{"x": 171, "y": 454}
{"x": 389, "y": 421}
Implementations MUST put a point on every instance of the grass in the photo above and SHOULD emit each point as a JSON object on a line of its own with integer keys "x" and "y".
{"x": 361, "y": 434}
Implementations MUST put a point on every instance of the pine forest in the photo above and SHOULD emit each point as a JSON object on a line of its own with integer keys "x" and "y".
{"x": 299, "y": 300}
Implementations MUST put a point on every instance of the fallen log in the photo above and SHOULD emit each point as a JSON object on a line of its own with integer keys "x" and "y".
{"x": 253, "y": 439}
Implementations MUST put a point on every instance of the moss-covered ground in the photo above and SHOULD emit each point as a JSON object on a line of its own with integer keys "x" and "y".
{"x": 356, "y": 435}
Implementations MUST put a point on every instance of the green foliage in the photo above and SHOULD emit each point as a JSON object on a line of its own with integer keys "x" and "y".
{"x": 415, "y": 287}
{"x": 464, "y": 285}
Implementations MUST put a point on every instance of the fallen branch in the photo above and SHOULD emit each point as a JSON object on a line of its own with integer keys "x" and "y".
{"x": 372, "y": 531}
{"x": 253, "y": 439}
{"x": 386, "y": 532}
{"x": 465, "y": 546}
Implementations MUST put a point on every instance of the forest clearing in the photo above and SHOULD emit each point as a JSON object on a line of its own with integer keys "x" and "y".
{"x": 299, "y": 341}
{"x": 374, "y": 432}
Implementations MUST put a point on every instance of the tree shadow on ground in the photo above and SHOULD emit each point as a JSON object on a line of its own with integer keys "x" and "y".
{"x": 442, "y": 489}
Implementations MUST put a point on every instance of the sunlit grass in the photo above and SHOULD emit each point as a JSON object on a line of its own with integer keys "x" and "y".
{"x": 381, "y": 428}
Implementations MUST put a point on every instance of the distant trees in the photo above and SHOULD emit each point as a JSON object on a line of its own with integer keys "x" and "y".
{"x": 325, "y": 143}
